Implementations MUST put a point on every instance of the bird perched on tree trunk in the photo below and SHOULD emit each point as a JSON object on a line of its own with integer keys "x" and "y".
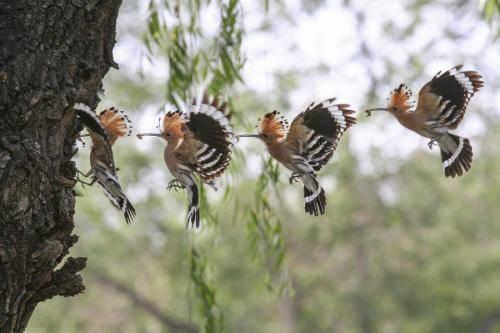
{"x": 442, "y": 103}
{"x": 104, "y": 130}
{"x": 308, "y": 145}
{"x": 199, "y": 142}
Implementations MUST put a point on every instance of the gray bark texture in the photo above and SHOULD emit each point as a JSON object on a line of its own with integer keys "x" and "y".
{"x": 53, "y": 53}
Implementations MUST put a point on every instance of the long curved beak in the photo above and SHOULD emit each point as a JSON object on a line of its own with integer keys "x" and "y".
{"x": 369, "y": 111}
{"x": 248, "y": 136}
{"x": 140, "y": 135}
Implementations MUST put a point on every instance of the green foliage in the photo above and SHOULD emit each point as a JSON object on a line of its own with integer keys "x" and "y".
{"x": 264, "y": 228}
{"x": 491, "y": 9}
{"x": 400, "y": 248}
{"x": 194, "y": 59}
{"x": 210, "y": 312}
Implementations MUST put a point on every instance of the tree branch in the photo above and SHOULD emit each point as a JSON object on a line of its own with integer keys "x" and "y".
{"x": 173, "y": 324}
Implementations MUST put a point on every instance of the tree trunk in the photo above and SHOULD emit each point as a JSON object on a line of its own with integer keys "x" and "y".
{"x": 53, "y": 53}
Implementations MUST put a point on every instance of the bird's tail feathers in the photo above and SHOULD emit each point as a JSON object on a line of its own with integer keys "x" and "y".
{"x": 193, "y": 217}
{"x": 114, "y": 192}
{"x": 314, "y": 195}
{"x": 456, "y": 154}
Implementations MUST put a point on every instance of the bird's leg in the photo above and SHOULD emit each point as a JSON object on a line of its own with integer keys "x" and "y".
{"x": 175, "y": 184}
{"x": 293, "y": 177}
{"x": 78, "y": 172}
{"x": 84, "y": 182}
{"x": 84, "y": 174}
{"x": 431, "y": 143}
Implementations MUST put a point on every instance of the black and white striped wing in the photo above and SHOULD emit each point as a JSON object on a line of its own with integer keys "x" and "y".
{"x": 90, "y": 120}
{"x": 446, "y": 96}
{"x": 319, "y": 129}
{"x": 210, "y": 126}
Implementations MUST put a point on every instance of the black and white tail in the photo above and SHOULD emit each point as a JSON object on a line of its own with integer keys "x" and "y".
{"x": 194, "y": 206}
{"x": 314, "y": 195}
{"x": 112, "y": 189}
{"x": 456, "y": 153}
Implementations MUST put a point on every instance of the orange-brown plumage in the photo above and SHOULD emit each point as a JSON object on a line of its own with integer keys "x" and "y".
{"x": 199, "y": 142}
{"x": 441, "y": 107}
{"x": 400, "y": 99}
{"x": 116, "y": 124}
{"x": 173, "y": 126}
{"x": 104, "y": 130}
{"x": 274, "y": 126}
{"x": 308, "y": 145}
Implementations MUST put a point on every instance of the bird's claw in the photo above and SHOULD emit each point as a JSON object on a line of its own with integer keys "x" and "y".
{"x": 432, "y": 143}
{"x": 175, "y": 184}
{"x": 293, "y": 178}
{"x": 82, "y": 182}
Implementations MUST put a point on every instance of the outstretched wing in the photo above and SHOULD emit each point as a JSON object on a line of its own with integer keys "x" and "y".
{"x": 316, "y": 132}
{"x": 444, "y": 99}
{"x": 209, "y": 125}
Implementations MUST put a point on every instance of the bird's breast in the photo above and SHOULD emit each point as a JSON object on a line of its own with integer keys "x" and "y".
{"x": 282, "y": 154}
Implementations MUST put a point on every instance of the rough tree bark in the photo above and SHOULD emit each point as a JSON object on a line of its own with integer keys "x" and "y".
{"x": 53, "y": 53}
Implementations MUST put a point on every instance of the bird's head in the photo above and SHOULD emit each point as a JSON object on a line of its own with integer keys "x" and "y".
{"x": 272, "y": 128}
{"x": 399, "y": 101}
{"x": 173, "y": 127}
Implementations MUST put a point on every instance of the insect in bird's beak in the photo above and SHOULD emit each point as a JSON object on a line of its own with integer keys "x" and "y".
{"x": 369, "y": 111}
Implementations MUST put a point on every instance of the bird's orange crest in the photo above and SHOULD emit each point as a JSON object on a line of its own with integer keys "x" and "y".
{"x": 174, "y": 123}
{"x": 400, "y": 99}
{"x": 116, "y": 122}
{"x": 274, "y": 124}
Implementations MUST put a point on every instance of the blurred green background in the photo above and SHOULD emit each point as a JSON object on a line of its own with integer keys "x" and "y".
{"x": 400, "y": 249}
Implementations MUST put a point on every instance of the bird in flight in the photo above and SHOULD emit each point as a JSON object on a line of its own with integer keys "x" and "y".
{"x": 441, "y": 106}
{"x": 308, "y": 145}
{"x": 199, "y": 142}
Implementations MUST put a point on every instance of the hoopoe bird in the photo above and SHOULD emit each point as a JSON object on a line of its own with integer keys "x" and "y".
{"x": 308, "y": 145}
{"x": 104, "y": 130}
{"x": 441, "y": 106}
{"x": 199, "y": 142}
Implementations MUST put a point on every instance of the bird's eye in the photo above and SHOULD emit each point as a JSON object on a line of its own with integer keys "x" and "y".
{"x": 264, "y": 135}
{"x": 168, "y": 134}
{"x": 394, "y": 109}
